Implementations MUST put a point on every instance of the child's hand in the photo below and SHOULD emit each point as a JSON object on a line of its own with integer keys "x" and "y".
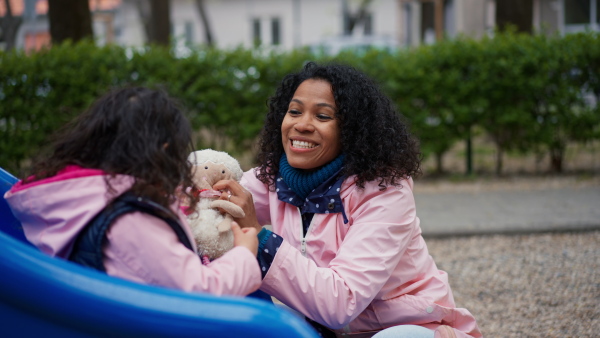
{"x": 245, "y": 237}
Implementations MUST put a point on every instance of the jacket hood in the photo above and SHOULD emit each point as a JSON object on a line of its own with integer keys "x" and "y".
{"x": 53, "y": 211}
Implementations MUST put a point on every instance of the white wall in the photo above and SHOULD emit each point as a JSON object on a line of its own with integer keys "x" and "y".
{"x": 129, "y": 30}
{"x": 302, "y": 22}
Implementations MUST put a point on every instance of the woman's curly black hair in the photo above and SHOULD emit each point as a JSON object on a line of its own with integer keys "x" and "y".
{"x": 134, "y": 131}
{"x": 375, "y": 140}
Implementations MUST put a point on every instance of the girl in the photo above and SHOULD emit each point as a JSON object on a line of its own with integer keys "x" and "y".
{"x": 130, "y": 148}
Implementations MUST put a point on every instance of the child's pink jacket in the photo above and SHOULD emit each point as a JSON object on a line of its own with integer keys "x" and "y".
{"x": 140, "y": 247}
{"x": 371, "y": 273}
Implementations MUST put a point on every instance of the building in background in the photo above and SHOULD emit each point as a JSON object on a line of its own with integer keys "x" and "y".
{"x": 427, "y": 21}
{"x": 575, "y": 15}
{"x": 288, "y": 24}
{"x": 34, "y": 30}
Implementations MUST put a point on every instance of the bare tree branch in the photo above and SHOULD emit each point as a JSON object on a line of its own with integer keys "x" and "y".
{"x": 207, "y": 30}
{"x": 143, "y": 8}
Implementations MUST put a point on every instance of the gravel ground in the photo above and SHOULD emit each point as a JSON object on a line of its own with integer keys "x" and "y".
{"x": 531, "y": 285}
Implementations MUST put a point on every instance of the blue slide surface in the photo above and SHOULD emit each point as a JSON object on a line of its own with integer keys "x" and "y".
{"x": 45, "y": 296}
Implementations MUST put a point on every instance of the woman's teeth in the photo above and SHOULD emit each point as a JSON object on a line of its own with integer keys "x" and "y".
{"x": 303, "y": 144}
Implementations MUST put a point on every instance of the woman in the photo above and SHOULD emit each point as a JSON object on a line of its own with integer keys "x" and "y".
{"x": 335, "y": 182}
{"x": 129, "y": 148}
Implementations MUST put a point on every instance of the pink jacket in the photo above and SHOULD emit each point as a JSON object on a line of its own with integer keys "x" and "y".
{"x": 141, "y": 248}
{"x": 371, "y": 273}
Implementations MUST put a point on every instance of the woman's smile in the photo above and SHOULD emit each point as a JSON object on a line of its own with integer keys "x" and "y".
{"x": 302, "y": 144}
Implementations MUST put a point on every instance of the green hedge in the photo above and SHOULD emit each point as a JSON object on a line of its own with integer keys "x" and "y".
{"x": 528, "y": 93}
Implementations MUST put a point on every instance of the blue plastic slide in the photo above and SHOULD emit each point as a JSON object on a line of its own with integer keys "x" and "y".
{"x": 51, "y": 297}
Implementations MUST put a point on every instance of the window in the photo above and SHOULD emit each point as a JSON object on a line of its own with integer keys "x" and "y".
{"x": 368, "y": 24}
{"x": 580, "y": 15}
{"x": 408, "y": 23}
{"x": 427, "y": 22}
{"x": 275, "y": 32}
{"x": 449, "y": 24}
{"x": 265, "y": 30}
{"x": 256, "y": 32}
{"x": 577, "y": 12}
{"x": 189, "y": 32}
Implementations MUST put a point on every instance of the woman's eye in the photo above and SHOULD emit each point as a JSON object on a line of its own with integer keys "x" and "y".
{"x": 324, "y": 117}
{"x": 293, "y": 112}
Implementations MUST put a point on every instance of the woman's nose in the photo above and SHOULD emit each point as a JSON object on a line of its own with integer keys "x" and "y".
{"x": 304, "y": 124}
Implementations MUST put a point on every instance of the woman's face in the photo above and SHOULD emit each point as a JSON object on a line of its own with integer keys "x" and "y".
{"x": 310, "y": 132}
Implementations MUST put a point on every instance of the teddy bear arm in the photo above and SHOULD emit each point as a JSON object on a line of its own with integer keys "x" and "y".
{"x": 232, "y": 209}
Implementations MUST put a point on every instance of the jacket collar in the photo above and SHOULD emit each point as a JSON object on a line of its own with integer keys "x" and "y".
{"x": 324, "y": 199}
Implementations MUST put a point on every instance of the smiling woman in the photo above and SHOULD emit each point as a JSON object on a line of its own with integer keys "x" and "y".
{"x": 334, "y": 181}
{"x": 310, "y": 131}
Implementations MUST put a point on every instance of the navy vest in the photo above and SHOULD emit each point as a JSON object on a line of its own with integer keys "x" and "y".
{"x": 87, "y": 249}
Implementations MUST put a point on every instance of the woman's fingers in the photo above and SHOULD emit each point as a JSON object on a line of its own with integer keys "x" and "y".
{"x": 233, "y": 192}
{"x": 241, "y": 197}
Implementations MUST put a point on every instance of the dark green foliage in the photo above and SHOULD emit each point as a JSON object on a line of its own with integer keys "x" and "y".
{"x": 528, "y": 93}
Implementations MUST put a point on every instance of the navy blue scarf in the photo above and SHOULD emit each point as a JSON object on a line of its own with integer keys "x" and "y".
{"x": 302, "y": 182}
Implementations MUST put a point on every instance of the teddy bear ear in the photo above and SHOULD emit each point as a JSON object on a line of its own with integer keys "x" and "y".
{"x": 201, "y": 156}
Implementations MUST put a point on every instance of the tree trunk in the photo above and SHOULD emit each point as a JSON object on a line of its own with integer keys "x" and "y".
{"x": 69, "y": 20}
{"x": 9, "y": 26}
{"x": 207, "y": 31}
{"x": 499, "y": 158}
{"x": 160, "y": 22}
{"x": 556, "y": 160}
{"x": 515, "y": 12}
{"x": 439, "y": 163}
{"x": 469, "y": 153}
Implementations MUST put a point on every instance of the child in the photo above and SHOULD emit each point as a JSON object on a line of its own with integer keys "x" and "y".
{"x": 127, "y": 153}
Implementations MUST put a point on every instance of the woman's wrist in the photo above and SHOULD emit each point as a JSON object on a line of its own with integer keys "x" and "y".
{"x": 258, "y": 227}
{"x": 263, "y": 236}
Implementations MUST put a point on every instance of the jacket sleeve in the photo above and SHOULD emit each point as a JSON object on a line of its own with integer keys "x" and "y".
{"x": 382, "y": 224}
{"x": 260, "y": 196}
{"x": 145, "y": 249}
{"x": 268, "y": 245}
{"x": 268, "y": 242}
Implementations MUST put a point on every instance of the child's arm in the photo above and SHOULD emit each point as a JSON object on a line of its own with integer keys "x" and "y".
{"x": 143, "y": 248}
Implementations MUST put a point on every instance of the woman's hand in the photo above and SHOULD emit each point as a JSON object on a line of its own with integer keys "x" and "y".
{"x": 245, "y": 237}
{"x": 234, "y": 192}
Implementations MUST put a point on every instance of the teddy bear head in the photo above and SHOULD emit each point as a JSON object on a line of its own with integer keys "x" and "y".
{"x": 211, "y": 166}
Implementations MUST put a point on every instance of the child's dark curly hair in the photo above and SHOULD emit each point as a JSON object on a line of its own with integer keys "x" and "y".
{"x": 135, "y": 131}
{"x": 376, "y": 142}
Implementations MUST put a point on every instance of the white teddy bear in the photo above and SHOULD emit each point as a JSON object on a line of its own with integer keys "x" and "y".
{"x": 211, "y": 228}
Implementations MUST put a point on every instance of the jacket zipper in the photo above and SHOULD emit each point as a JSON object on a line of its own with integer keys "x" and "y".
{"x": 303, "y": 246}
{"x": 302, "y": 236}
